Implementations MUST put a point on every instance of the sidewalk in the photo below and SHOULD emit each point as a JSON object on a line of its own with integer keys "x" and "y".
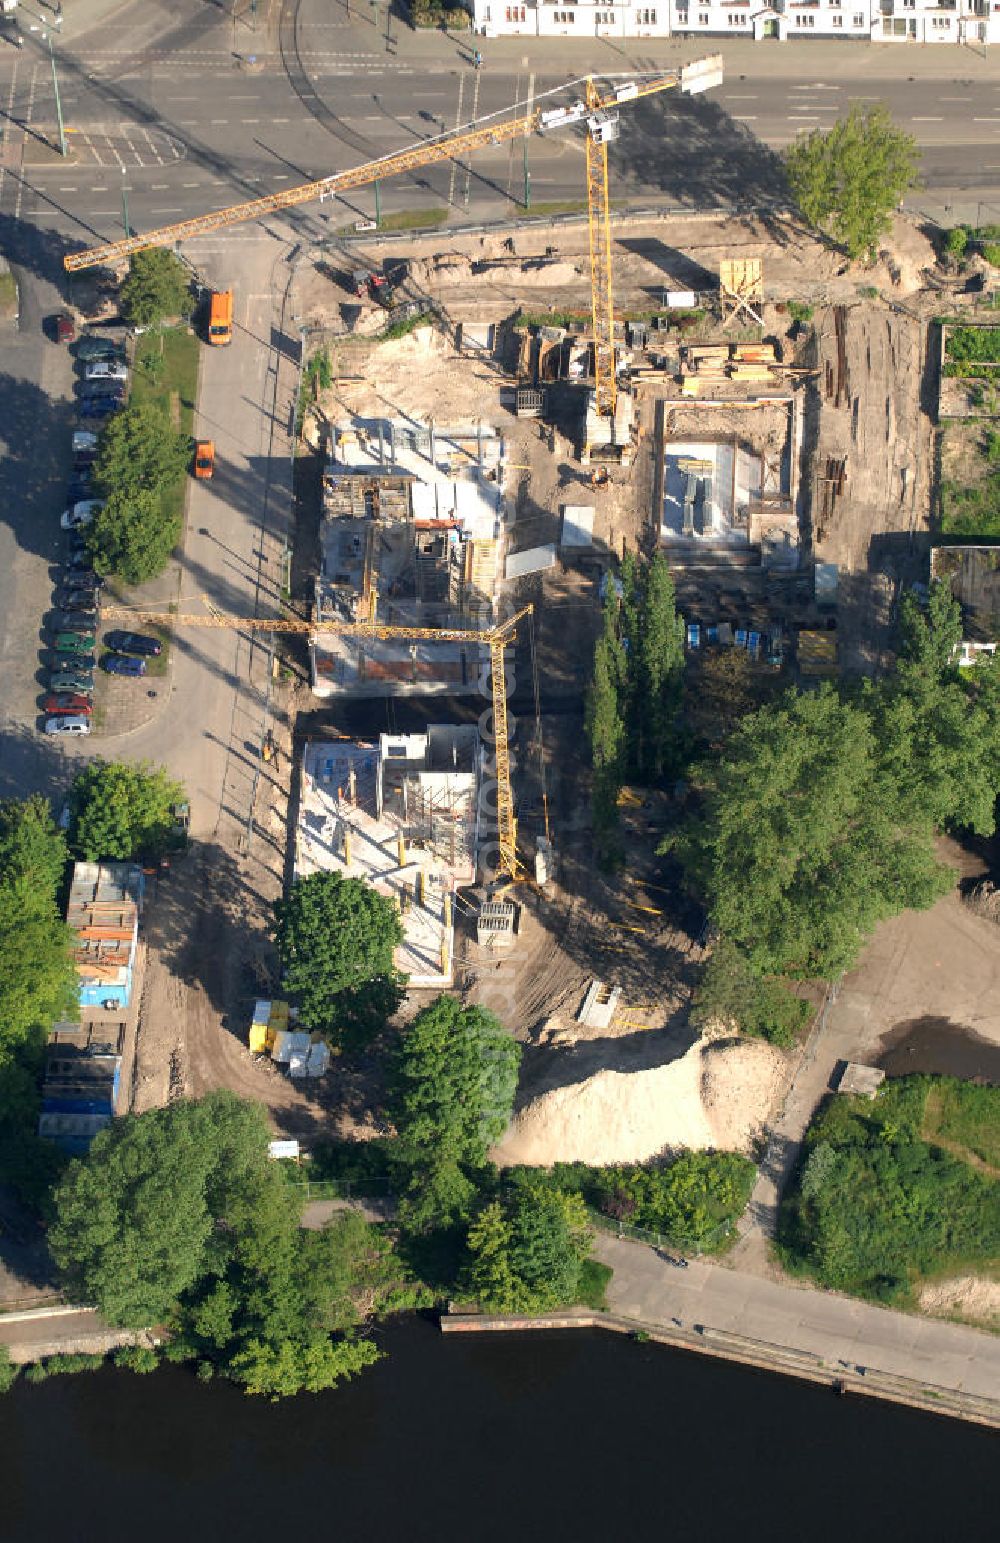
{"x": 800, "y": 1321}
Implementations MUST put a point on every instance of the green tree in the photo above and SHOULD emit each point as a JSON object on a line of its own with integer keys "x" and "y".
{"x": 38, "y": 982}
{"x": 660, "y": 667}
{"x": 32, "y": 847}
{"x": 956, "y": 242}
{"x": 759, "y": 1005}
{"x": 8, "y": 1371}
{"x": 526, "y": 1251}
{"x": 131, "y": 1220}
{"x": 180, "y": 1216}
{"x": 119, "y": 810}
{"x": 157, "y": 285}
{"x": 131, "y": 536}
{"x": 452, "y": 1091}
{"x": 605, "y": 728}
{"x": 336, "y": 938}
{"x": 849, "y": 179}
{"x": 800, "y": 848}
{"x": 139, "y": 450}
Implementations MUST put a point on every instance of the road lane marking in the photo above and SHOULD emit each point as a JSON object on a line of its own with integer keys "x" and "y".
{"x": 159, "y": 187}
{"x": 165, "y": 211}
{"x": 926, "y": 120}
{"x": 249, "y": 120}
{"x": 740, "y": 99}
{"x": 744, "y": 117}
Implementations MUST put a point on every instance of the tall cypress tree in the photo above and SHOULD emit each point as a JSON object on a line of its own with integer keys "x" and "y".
{"x": 659, "y": 667}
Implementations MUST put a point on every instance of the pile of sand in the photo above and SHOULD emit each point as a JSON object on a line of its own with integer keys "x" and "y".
{"x": 716, "y": 1095}
{"x": 964, "y": 1296}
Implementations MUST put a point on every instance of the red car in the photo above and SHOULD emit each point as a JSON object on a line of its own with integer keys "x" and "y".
{"x": 67, "y": 702}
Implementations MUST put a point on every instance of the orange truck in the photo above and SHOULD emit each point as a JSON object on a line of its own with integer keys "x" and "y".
{"x": 220, "y": 317}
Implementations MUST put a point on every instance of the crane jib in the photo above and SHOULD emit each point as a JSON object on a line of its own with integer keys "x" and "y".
{"x": 698, "y": 76}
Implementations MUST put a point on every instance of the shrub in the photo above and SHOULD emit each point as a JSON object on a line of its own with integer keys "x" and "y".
{"x": 991, "y": 251}
{"x": 136, "y": 1358}
{"x": 956, "y": 241}
{"x": 8, "y": 1371}
{"x": 800, "y": 312}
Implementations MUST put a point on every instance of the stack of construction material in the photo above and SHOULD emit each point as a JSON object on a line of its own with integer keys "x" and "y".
{"x": 269, "y": 1019}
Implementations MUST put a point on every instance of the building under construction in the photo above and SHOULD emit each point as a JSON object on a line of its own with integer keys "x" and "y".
{"x": 410, "y": 535}
{"x": 401, "y": 814}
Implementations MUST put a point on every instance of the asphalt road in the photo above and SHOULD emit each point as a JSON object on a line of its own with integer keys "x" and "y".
{"x": 165, "y": 107}
{"x": 819, "y": 1323}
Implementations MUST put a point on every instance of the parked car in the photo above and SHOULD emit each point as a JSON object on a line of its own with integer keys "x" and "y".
{"x": 91, "y": 347}
{"x": 133, "y": 643}
{"x": 74, "y": 621}
{"x": 99, "y": 407}
{"x": 80, "y": 644}
{"x": 101, "y": 390}
{"x": 81, "y": 513}
{"x": 73, "y": 599}
{"x": 123, "y": 664}
{"x": 83, "y": 460}
{"x": 80, "y": 575}
{"x": 68, "y": 678}
{"x": 204, "y": 459}
{"x": 68, "y": 702}
{"x": 61, "y": 327}
{"x": 79, "y": 489}
{"x": 105, "y": 369}
{"x": 67, "y": 725}
{"x": 84, "y": 440}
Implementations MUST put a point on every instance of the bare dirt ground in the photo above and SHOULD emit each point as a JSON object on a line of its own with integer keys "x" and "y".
{"x": 209, "y": 954}
{"x": 967, "y": 1298}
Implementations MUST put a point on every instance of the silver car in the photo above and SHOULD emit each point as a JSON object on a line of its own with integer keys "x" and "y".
{"x": 67, "y": 725}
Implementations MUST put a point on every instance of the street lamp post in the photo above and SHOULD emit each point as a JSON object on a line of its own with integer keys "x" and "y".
{"x": 55, "y": 87}
{"x": 125, "y": 204}
{"x": 527, "y": 179}
{"x": 46, "y": 37}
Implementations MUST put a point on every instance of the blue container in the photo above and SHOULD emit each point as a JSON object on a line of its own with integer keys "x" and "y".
{"x": 693, "y": 635}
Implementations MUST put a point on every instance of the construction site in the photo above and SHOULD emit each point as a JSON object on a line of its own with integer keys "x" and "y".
{"x": 505, "y": 416}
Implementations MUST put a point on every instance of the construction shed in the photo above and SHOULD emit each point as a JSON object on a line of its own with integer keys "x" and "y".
{"x": 103, "y": 910}
{"x": 82, "y": 1083}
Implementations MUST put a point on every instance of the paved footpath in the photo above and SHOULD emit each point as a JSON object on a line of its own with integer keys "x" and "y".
{"x": 803, "y": 1320}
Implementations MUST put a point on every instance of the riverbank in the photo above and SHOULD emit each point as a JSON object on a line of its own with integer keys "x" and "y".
{"x": 863, "y": 1381}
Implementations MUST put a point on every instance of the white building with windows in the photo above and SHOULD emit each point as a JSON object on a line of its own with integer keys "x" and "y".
{"x": 919, "y": 21}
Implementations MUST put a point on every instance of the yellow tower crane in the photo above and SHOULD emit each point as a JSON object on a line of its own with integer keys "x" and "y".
{"x": 599, "y": 111}
{"x": 497, "y": 639}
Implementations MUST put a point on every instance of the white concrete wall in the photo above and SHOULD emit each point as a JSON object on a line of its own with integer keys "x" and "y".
{"x": 922, "y": 21}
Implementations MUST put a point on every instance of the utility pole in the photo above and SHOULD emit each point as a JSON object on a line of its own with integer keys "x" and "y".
{"x": 527, "y": 178}
{"x": 125, "y": 204}
{"x": 378, "y": 203}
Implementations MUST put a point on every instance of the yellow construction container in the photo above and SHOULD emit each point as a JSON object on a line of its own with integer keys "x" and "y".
{"x": 689, "y": 385}
{"x": 258, "y": 1039}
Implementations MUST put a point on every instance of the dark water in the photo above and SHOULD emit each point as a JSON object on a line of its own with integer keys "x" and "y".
{"x": 562, "y": 1438}
{"x": 941, "y": 1048}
